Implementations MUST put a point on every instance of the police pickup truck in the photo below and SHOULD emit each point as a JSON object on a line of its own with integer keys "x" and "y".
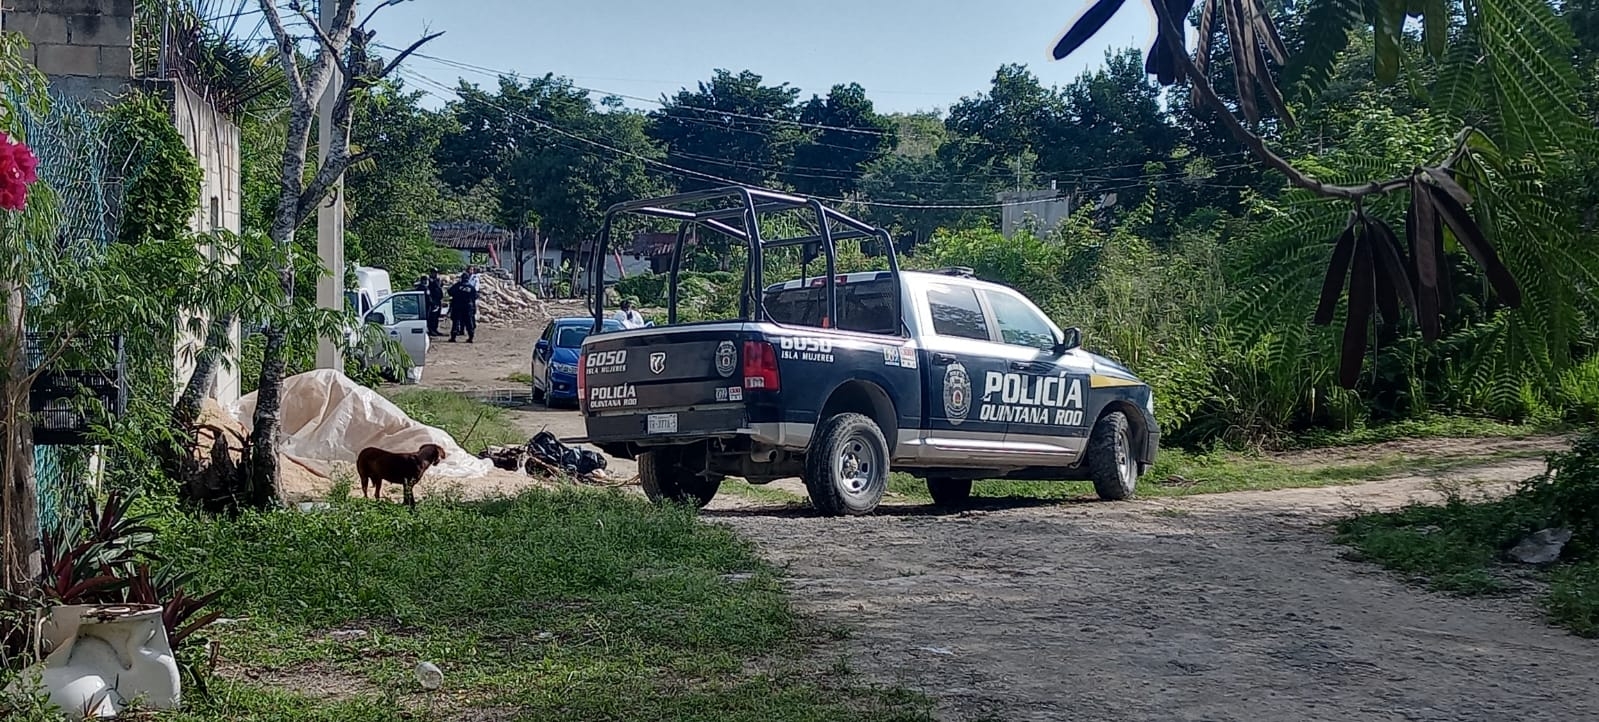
{"x": 837, "y": 379}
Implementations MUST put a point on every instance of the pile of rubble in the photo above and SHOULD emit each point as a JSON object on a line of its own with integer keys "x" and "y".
{"x": 501, "y": 301}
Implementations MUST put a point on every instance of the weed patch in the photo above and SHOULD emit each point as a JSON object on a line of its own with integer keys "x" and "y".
{"x": 1460, "y": 546}
{"x": 1182, "y": 473}
{"x": 473, "y": 424}
{"x": 574, "y": 604}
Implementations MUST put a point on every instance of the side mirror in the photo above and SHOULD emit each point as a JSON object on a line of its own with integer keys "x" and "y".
{"x": 1071, "y": 338}
{"x": 375, "y": 317}
{"x": 542, "y": 347}
{"x": 810, "y": 252}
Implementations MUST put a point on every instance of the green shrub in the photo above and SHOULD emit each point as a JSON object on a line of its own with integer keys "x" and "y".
{"x": 1579, "y": 391}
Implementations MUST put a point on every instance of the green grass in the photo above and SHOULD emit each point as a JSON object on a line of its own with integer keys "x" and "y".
{"x": 1459, "y": 548}
{"x": 473, "y": 424}
{"x": 569, "y": 605}
{"x": 520, "y": 377}
{"x": 1181, "y": 473}
{"x": 759, "y": 492}
{"x": 1437, "y": 427}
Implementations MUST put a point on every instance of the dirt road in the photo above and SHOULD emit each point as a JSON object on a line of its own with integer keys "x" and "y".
{"x": 1223, "y": 607}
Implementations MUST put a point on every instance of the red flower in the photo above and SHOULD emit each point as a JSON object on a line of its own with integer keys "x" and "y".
{"x": 19, "y": 168}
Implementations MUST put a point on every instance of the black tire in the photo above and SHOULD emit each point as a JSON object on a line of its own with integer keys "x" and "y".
{"x": 664, "y": 479}
{"x": 539, "y": 395}
{"x": 950, "y": 493}
{"x": 846, "y": 469}
{"x": 1112, "y": 464}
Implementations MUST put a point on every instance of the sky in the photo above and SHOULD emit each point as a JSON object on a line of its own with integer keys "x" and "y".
{"x": 909, "y": 55}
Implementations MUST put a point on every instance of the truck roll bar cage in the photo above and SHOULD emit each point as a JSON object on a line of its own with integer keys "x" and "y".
{"x": 738, "y": 217}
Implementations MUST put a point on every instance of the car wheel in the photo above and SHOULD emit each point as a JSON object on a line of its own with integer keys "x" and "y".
{"x": 1111, "y": 463}
{"x": 950, "y": 493}
{"x": 665, "y": 479}
{"x": 540, "y": 394}
{"x": 846, "y": 470}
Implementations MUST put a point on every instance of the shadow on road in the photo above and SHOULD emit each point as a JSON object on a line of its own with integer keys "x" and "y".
{"x": 793, "y": 510}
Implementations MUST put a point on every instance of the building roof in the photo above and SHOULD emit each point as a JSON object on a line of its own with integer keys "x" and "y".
{"x": 474, "y": 236}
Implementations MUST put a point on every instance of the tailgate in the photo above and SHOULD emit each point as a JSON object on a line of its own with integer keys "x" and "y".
{"x": 640, "y": 383}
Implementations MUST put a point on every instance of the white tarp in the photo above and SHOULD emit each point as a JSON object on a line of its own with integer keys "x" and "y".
{"x": 328, "y": 419}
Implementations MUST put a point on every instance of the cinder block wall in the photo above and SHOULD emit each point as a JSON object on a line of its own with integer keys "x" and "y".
{"x": 84, "y": 46}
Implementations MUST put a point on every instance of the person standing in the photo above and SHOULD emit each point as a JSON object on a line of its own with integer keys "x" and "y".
{"x": 463, "y": 309}
{"x": 435, "y": 296}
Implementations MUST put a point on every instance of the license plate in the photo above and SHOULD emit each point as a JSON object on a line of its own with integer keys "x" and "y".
{"x": 661, "y": 423}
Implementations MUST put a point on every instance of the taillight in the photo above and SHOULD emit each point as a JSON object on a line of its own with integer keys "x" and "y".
{"x": 760, "y": 366}
{"x": 582, "y": 376}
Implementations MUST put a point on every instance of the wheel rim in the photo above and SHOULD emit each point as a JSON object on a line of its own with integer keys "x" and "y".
{"x": 857, "y": 465}
{"x": 1125, "y": 464}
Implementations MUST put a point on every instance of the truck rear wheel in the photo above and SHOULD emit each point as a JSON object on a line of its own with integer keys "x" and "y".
{"x": 950, "y": 493}
{"x": 666, "y": 479}
{"x": 1111, "y": 463}
{"x": 846, "y": 470}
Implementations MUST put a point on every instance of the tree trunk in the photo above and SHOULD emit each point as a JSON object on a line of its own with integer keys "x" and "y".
{"x": 19, "y": 539}
{"x": 186, "y": 414}
{"x": 262, "y": 468}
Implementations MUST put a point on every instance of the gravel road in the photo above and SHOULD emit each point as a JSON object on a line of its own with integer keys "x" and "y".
{"x": 1221, "y": 607}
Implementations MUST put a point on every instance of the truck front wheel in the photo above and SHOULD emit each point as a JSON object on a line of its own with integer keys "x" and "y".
{"x": 665, "y": 477}
{"x": 1111, "y": 463}
{"x": 846, "y": 470}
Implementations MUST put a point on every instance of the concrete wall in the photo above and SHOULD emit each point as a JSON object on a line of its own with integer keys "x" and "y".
{"x": 1040, "y": 211}
{"x": 213, "y": 138}
{"x": 85, "y": 47}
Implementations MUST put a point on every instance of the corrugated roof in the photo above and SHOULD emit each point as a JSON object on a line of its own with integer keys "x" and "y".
{"x": 473, "y": 236}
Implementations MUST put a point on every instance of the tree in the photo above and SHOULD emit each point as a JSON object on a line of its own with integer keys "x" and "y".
{"x": 998, "y": 133}
{"x": 393, "y": 194}
{"x": 1511, "y": 132}
{"x": 733, "y": 127}
{"x": 849, "y": 135}
{"x": 549, "y": 153}
{"x": 341, "y": 53}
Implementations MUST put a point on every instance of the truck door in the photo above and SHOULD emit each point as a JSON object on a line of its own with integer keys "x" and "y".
{"x": 404, "y": 317}
{"x": 957, "y": 358}
{"x": 1041, "y": 396}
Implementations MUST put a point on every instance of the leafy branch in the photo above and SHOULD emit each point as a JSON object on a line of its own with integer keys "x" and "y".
{"x": 1381, "y": 273}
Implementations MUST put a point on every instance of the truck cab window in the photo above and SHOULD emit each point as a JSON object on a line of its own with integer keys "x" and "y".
{"x": 956, "y": 313}
{"x": 1020, "y": 324}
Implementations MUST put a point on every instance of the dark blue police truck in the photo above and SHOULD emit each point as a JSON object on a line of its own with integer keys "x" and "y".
{"x": 838, "y": 378}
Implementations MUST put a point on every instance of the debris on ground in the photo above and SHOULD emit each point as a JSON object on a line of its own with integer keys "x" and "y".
{"x": 1541, "y": 547}
{"x": 502, "y": 301}
{"x": 544, "y": 455}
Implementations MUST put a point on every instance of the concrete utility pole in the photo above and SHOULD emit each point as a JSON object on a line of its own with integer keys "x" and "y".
{"x": 330, "y": 213}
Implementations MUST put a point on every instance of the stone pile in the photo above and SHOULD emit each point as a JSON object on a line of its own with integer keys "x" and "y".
{"x": 503, "y": 302}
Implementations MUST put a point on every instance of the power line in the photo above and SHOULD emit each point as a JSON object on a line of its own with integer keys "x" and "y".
{"x": 993, "y": 174}
{"x": 707, "y": 176}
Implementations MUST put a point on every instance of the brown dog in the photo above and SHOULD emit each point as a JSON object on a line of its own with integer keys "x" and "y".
{"x": 376, "y": 466}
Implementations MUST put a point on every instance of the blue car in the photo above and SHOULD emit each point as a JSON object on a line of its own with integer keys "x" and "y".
{"x": 555, "y": 358}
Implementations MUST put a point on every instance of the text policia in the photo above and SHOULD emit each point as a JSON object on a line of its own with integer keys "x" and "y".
{"x": 1039, "y": 400}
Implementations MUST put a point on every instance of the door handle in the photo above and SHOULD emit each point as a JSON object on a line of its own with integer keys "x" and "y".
{"x": 943, "y": 359}
{"x": 1022, "y": 366}
{"x": 416, "y": 330}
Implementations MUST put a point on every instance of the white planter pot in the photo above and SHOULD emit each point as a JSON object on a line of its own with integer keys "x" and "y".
{"x": 102, "y": 658}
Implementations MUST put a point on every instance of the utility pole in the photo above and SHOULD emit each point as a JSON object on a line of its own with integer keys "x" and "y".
{"x": 330, "y": 213}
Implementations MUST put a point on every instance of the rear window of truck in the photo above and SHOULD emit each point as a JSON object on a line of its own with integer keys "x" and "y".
{"x": 867, "y": 306}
